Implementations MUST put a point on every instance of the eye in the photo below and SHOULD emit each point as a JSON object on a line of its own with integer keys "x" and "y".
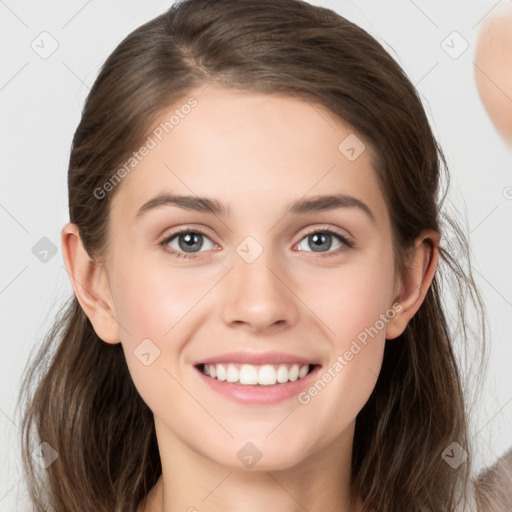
{"x": 324, "y": 241}
{"x": 185, "y": 243}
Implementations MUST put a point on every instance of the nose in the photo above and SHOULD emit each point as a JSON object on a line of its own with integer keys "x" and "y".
{"x": 259, "y": 296}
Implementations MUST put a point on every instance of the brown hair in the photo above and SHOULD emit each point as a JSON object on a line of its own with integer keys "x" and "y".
{"x": 84, "y": 403}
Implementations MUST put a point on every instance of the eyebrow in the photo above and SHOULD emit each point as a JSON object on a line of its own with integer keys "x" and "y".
{"x": 302, "y": 206}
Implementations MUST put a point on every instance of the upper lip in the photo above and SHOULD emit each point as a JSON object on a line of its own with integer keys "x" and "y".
{"x": 257, "y": 358}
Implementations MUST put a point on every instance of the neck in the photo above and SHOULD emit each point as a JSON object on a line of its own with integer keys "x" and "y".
{"x": 194, "y": 483}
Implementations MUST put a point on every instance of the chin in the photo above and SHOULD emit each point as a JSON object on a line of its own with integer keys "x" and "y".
{"x": 261, "y": 455}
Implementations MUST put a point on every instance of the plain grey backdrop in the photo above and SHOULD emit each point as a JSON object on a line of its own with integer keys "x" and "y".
{"x": 52, "y": 54}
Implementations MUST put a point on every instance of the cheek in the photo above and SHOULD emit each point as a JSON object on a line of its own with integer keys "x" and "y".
{"x": 352, "y": 297}
{"x": 354, "y": 304}
{"x": 158, "y": 306}
{"x": 151, "y": 298}
{"x": 150, "y": 308}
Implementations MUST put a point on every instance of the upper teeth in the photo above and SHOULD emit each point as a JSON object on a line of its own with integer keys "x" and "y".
{"x": 266, "y": 375}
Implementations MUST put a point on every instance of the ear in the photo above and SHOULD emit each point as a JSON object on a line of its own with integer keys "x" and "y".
{"x": 90, "y": 284}
{"x": 412, "y": 289}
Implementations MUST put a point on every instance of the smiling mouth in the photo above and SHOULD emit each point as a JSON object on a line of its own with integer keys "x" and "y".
{"x": 256, "y": 375}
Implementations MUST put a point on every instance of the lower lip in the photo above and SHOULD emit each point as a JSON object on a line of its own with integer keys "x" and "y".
{"x": 258, "y": 394}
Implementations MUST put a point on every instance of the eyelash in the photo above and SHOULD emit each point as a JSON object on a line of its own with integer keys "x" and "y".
{"x": 347, "y": 244}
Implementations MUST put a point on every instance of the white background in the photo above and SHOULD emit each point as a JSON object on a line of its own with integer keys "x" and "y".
{"x": 41, "y": 101}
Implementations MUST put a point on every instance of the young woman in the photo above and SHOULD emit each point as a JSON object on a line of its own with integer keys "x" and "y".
{"x": 257, "y": 321}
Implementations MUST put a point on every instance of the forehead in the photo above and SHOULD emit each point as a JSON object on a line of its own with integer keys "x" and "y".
{"x": 246, "y": 149}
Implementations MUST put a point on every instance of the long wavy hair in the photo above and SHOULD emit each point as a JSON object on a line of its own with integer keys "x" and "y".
{"x": 77, "y": 395}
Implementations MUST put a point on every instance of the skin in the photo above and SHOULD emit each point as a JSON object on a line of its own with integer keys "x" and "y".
{"x": 493, "y": 70}
{"x": 298, "y": 301}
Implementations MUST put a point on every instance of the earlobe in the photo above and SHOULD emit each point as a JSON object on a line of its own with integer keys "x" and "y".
{"x": 90, "y": 284}
{"x": 414, "y": 286}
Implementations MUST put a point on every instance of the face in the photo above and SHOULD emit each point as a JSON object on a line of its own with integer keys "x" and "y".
{"x": 281, "y": 280}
